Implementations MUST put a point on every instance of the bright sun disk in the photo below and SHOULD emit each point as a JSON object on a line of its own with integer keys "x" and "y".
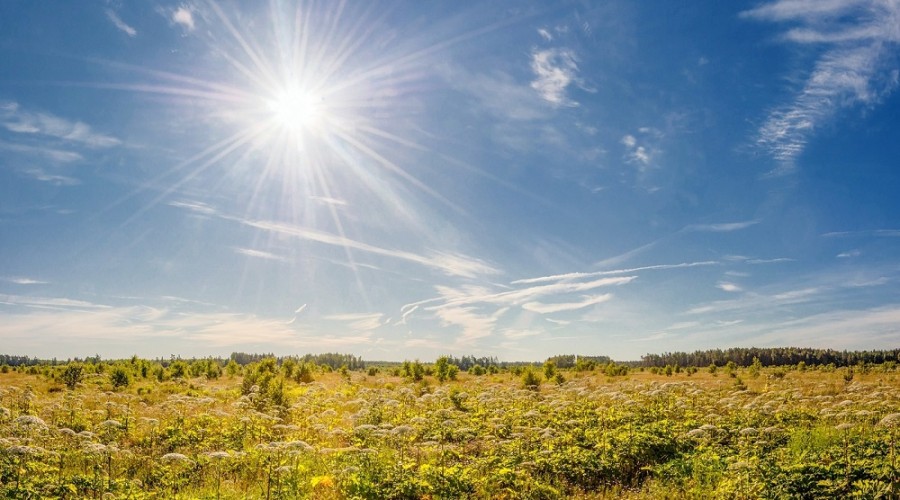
{"x": 296, "y": 109}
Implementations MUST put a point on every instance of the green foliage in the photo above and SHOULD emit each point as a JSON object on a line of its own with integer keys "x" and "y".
{"x": 120, "y": 377}
{"x": 755, "y": 368}
{"x": 809, "y": 435}
{"x": 179, "y": 369}
{"x": 549, "y": 370}
{"x": 303, "y": 373}
{"x": 414, "y": 371}
{"x": 232, "y": 368}
{"x": 72, "y": 375}
{"x": 530, "y": 379}
{"x": 444, "y": 370}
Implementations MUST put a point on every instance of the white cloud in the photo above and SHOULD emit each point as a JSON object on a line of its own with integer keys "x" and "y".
{"x": 572, "y": 276}
{"x": 48, "y": 153}
{"x": 451, "y": 264}
{"x": 25, "y": 281}
{"x": 545, "y": 35}
{"x": 477, "y": 310}
{"x": 20, "y": 121}
{"x": 359, "y": 322}
{"x": 260, "y": 254}
{"x": 854, "y": 69}
{"x": 642, "y": 151}
{"x": 194, "y": 206}
{"x": 543, "y": 308}
{"x": 120, "y": 24}
{"x": 728, "y": 287}
{"x": 849, "y": 254}
{"x": 884, "y": 233}
{"x": 554, "y": 71}
{"x": 56, "y": 179}
{"x": 62, "y": 326}
{"x": 497, "y": 93}
{"x": 184, "y": 16}
{"x": 473, "y": 323}
{"x": 723, "y": 227}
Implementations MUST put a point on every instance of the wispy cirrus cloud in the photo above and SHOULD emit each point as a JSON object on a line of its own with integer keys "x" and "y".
{"x": 554, "y": 71}
{"x": 882, "y": 233}
{"x": 550, "y": 308}
{"x": 195, "y": 206}
{"x": 452, "y": 264}
{"x": 728, "y": 287}
{"x": 478, "y": 311}
{"x": 359, "y": 322}
{"x": 120, "y": 24}
{"x": 60, "y": 326}
{"x": 259, "y": 254}
{"x": 497, "y": 93}
{"x": 857, "y": 38}
{"x": 15, "y": 119}
{"x": 53, "y": 155}
{"x": 722, "y": 227}
{"x": 55, "y": 179}
{"x": 25, "y": 281}
{"x": 582, "y": 275}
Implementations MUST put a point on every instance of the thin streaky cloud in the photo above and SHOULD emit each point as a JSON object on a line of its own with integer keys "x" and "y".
{"x": 25, "y": 281}
{"x": 448, "y": 263}
{"x": 792, "y": 9}
{"x": 194, "y": 206}
{"x": 457, "y": 297}
{"x": 854, "y": 70}
{"x": 55, "y": 179}
{"x": 260, "y": 254}
{"x": 573, "y": 276}
{"x": 20, "y": 121}
{"x": 728, "y": 287}
{"x": 849, "y": 254}
{"x": 21, "y": 300}
{"x": 358, "y": 321}
{"x": 120, "y": 24}
{"x": 886, "y": 233}
{"x": 723, "y": 227}
{"x": 545, "y": 308}
{"x": 58, "y": 156}
{"x": 777, "y": 260}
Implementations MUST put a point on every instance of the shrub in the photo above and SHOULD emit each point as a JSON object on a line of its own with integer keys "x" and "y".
{"x": 530, "y": 379}
{"x": 120, "y": 377}
{"x": 72, "y": 375}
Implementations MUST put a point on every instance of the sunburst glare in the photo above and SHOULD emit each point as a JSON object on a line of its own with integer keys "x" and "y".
{"x": 297, "y": 109}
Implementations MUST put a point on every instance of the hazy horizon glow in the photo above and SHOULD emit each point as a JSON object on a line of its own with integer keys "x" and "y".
{"x": 402, "y": 180}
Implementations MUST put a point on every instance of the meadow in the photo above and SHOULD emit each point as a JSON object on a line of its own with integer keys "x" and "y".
{"x": 203, "y": 429}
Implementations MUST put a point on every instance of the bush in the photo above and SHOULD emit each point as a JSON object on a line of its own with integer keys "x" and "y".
{"x": 120, "y": 377}
{"x": 530, "y": 379}
{"x": 72, "y": 375}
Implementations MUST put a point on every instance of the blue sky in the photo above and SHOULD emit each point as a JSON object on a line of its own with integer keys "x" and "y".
{"x": 402, "y": 180}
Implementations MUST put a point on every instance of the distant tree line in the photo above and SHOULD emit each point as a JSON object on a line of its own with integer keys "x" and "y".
{"x": 571, "y": 360}
{"x": 6, "y": 359}
{"x": 331, "y": 359}
{"x": 466, "y": 362}
{"x": 769, "y": 356}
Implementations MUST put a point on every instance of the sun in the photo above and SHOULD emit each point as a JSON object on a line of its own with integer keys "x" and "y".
{"x": 297, "y": 110}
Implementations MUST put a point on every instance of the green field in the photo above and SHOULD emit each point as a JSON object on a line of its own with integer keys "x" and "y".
{"x": 138, "y": 429}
